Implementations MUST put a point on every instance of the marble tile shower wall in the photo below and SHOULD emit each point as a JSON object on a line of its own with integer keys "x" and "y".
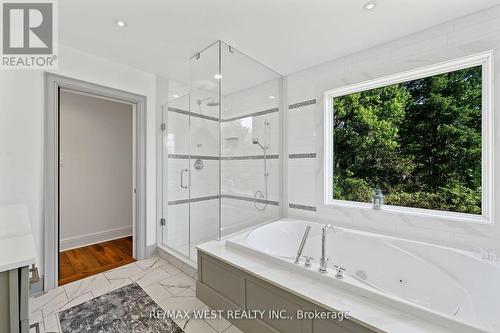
{"x": 248, "y": 114}
{"x": 243, "y": 118}
{"x": 305, "y": 182}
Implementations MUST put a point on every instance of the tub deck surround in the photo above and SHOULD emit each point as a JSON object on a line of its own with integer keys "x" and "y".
{"x": 444, "y": 301}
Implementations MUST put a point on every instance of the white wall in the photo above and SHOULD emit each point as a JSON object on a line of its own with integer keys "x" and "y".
{"x": 468, "y": 35}
{"x": 21, "y": 131}
{"x": 96, "y": 170}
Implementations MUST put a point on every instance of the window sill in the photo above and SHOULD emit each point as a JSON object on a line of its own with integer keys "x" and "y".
{"x": 409, "y": 211}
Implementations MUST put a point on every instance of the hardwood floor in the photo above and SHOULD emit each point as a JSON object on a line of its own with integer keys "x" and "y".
{"x": 89, "y": 260}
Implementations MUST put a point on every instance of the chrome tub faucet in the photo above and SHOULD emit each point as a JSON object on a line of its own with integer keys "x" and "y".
{"x": 323, "y": 262}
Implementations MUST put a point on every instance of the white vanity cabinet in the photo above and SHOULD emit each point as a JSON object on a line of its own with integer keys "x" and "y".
{"x": 17, "y": 254}
{"x": 14, "y": 291}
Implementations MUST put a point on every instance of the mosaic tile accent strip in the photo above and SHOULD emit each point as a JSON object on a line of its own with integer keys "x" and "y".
{"x": 228, "y": 158}
{"x": 203, "y": 157}
{"x": 228, "y": 196}
{"x": 300, "y": 104}
{"x": 239, "y": 197}
{"x": 250, "y": 157}
{"x": 199, "y": 115}
{"x": 184, "y": 201}
{"x": 302, "y": 207}
{"x": 193, "y": 157}
{"x": 123, "y": 310}
{"x": 194, "y": 114}
{"x": 255, "y": 114}
{"x": 307, "y": 155}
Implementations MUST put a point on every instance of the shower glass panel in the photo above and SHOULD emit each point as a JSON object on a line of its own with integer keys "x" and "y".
{"x": 250, "y": 142}
{"x": 176, "y": 161}
{"x": 221, "y": 157}
{"x": 204, "y": 145}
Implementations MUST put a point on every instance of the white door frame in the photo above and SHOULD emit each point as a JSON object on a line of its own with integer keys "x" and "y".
{"x": 53, "y": 85}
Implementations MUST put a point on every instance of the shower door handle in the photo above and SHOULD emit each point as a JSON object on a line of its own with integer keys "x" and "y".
{"x": 182, "y": 178}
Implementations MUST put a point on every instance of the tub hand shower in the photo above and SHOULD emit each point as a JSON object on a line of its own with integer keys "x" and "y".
{"x": 302, "y": 244}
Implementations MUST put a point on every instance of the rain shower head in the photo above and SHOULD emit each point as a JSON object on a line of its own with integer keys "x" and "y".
{"x": 211, "y": 102}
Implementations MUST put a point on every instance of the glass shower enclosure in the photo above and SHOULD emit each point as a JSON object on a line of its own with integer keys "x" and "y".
{"x": 221, "y": 150}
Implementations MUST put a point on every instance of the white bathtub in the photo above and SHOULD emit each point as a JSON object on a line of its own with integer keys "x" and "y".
{"x": 451, "y": 287}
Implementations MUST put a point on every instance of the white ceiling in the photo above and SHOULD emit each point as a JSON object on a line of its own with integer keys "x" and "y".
{"x": 285, "y": 35}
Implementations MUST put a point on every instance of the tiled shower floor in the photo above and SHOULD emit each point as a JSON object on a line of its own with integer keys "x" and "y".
{"x": 169, "y": 287}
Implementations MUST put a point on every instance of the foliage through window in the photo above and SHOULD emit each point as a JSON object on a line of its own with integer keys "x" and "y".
{"x": 418, "y": 141}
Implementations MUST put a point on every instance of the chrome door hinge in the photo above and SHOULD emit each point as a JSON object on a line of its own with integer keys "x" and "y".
{"x": 163, "y": 127}
{"x": 163, "y": 222}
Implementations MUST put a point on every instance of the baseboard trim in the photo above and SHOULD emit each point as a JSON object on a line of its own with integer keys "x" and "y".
{"x": 98, "y": 237}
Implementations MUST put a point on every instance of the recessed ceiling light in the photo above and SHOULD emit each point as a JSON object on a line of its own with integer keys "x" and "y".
{"x": 218, "y": 76}
{"x": 370, "y": 5}
{"x": 175, "y": 96}
{"x": 121, "y": 23}
{"x": 272, "y": 97}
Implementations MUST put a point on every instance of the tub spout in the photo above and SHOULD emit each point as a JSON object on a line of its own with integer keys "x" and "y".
{"x": 323, "y": 262}
{"x": 302, "y": 244}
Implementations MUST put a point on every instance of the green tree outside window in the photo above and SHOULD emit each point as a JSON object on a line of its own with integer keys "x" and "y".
{"x": 418, "y": 141}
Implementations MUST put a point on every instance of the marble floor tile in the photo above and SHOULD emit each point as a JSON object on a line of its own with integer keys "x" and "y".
{"x": 113, "y": 285}
{"x": 150, "y": 277}
{"x": 181, "y": 322}
{"x": 198, "y": 326}
{"x": 51, "y": 324}
{"x": 36, "y": 317}
{"x": 49, "y": 299}
{"x": 86, "y": 285}
{"x": 152, "y": 263}
{"x": 76, "y": 301}
{"x": 157, "y": 292}
{"x": 233, "y": 329}
{"x": 187, "y": 293}
{"x": 124, "y": 272}
{"x": 54, "y": 306}
{"x": 181, "y": 303}
{"x": 171, "y": 269}
{"x": 219, "y": 324}
{"x": 178, "y": 283}
{"x": 164, "y": 283}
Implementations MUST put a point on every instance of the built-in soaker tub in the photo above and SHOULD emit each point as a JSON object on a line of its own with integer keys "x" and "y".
{"x": 452, "y": 287}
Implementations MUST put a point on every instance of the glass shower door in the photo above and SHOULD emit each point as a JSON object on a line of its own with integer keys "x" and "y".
{"x": 221, "y": 150}
{"x": 205, "y": 103}
{"x": 176, "y": 179}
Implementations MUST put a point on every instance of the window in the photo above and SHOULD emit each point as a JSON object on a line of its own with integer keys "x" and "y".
{"x": 422, "y": 137}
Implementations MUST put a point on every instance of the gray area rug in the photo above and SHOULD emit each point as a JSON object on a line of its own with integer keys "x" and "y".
{"x": 124, "y": 310}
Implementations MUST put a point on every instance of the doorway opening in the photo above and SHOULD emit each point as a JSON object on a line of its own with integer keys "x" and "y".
{"x": 94, "y": 183}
